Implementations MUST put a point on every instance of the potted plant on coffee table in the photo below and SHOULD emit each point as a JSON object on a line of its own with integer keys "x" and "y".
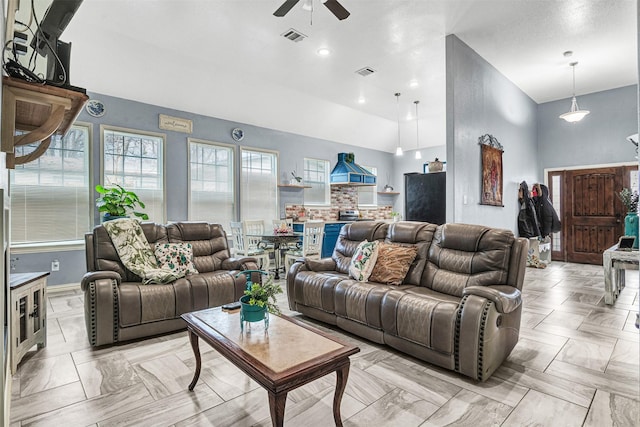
{"x": 259, "y": 300}
{"x": 116, "y": 202}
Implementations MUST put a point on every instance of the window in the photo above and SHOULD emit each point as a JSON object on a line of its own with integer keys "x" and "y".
{"x": 258, "y": 185}
{"x": 368, "y": 196}
{"x": 316, "y": 174}
{"x": 211, "y": 187}
{"x": 135, "y": 160}
{"x": 50, "y": 195}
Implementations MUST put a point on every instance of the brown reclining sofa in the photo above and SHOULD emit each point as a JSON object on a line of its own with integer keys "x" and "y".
{"x": 458, "y": 307}
{"x": 119, "y": 307}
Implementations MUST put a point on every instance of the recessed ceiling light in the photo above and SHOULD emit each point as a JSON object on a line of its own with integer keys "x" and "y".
{"x": 362, "y": 100}
{"x": 323, "y": 51}
{"x": 413, "y": 83}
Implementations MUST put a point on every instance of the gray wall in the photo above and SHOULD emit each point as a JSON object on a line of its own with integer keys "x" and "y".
{"x": 481, "y": 100}
{"x": 598, "y": 139}
{"x": 135, "y": 115}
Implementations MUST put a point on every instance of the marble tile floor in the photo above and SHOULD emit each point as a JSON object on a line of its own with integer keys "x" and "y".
{"x": 576, "y": 364}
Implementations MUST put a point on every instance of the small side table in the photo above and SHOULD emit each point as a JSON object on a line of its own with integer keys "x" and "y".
{"x": 28, "y": 314}
{"x": 615, "y": 262}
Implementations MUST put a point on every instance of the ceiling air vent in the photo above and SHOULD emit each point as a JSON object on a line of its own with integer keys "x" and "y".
{"x": 365, "y": 71}
{"x": 293, "y": 35}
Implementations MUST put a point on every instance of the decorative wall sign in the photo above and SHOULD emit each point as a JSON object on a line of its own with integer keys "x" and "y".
{"x": 491, "y": 151}
{"x": 175, "y": 124}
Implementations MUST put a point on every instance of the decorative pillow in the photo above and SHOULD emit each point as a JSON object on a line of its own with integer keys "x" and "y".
{"x": 393, "y": 263}
{"x": 363, "y": 260}
{"x": 177, "y": 257}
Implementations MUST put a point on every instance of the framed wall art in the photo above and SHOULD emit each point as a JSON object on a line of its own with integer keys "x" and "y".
{"x": 492, "y": 179}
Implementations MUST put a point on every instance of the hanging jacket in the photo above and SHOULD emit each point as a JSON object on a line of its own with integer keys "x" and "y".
{"x": 547, "y": 216}
{"x": 528, "y": 225}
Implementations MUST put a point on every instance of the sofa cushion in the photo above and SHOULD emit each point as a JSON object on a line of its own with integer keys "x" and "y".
{"x": 468, "y": 255}
{"x": 176, "y": 257}
{"x": 317, "y": 290}
{"x": 363, "y": 260}
{"x": 209, "y": 243}
{"x": 360, "y": 301}
{"x": 422, "y": 316}
{"x": 350, "y": 237}
{"x": 393, "y": 263}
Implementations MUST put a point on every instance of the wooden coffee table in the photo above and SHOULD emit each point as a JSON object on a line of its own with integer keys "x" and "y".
{"x": 287, "y": 355}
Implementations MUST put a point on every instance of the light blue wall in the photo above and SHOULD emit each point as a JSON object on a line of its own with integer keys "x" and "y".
{"x": 135, "y": 115}
{"x": 480, "y": 100}
{"x": 598, "y": 139}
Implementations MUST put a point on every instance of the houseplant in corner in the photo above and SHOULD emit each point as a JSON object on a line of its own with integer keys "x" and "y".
{"x": 630, "y": 201}
{"x": 116, "y": 202}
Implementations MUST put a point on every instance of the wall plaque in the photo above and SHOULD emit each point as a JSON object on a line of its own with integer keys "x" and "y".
{"x": 175, "y": 124}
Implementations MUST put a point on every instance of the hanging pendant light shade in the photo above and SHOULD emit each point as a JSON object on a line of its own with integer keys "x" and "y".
{"x": 575, "y": 114}
{"x": 418, "y": 153}
{"x": 398, "y": 148}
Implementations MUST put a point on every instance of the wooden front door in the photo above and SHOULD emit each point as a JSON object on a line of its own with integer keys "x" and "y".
{"x": 593, "y": 214}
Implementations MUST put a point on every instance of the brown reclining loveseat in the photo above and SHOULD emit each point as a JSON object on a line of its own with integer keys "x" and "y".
{"x": 458, "y": 307}
{"x": 119, "y": 307}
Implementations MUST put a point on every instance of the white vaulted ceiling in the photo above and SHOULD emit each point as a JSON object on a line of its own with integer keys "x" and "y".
{"x": 227, "y": 59}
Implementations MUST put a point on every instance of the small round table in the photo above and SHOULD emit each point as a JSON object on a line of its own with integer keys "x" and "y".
{"x": 277, "y": 239}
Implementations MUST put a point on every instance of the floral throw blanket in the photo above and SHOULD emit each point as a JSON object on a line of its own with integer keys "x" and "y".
{"x": 135, "y": 252}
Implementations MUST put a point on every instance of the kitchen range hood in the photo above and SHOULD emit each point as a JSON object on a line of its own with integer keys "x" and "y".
{"x": 347, "y": 172}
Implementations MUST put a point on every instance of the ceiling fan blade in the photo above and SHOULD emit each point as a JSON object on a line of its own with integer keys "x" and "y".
{"x": 337, "y": 9}
{"x": 286, "y": 7}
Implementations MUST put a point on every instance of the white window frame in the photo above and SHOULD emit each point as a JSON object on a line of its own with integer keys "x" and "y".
{"x": 373, "y": 188}
{"x": 67, "y": 244}
{"x": 307, "y": 181}
{"x": 232, "y": 166}
{"x": 246, "y": 212}
{"x": 163, "y": 161}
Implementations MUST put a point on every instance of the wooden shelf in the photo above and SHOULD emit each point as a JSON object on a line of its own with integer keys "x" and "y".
{"x": 391, "y": 193}
{"x": 39, "y": 110}
{"x": 293, "y": 186}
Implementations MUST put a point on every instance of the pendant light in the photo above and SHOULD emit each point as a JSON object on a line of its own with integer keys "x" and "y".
{"x": 418, "y": 154}
{"x": 575, "y": 114}
{"x": 398, "y": 148}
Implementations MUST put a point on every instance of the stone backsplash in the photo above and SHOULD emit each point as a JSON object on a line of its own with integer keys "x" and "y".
{"x": 342, "y": 197}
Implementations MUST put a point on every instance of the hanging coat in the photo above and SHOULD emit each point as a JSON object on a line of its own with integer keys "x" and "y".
{"x": 528, "y": 225}
{"x": 547, "y": 215}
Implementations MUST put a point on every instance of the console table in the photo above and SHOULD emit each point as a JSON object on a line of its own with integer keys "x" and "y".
{"x": 615, "y": 262}
{"x": 28, "y": 314}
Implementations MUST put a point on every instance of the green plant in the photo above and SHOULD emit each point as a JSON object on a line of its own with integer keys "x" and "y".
{"x": 264, "y": 295}
{"x": 394, "y": 214}
{"x": 116, "y": 201}
{"x": 629, "y": 199}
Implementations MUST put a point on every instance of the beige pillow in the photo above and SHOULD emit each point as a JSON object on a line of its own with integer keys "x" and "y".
{"x": 363, "y": 260}
{"x": 393, "y": 263}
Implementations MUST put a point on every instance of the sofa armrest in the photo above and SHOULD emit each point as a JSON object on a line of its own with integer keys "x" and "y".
{"x": 101, "y": 306}
{"x": 506, "y": 298}
{"x": 324, "y": 264}
{"x": 243, "y": 263}
{"x": 94, "y": 276}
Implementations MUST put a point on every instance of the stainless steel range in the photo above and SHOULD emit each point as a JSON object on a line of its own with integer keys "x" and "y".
{"x": 349, "y": 215}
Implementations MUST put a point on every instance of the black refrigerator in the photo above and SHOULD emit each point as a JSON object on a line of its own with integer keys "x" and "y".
{"x": 425, "y": 197}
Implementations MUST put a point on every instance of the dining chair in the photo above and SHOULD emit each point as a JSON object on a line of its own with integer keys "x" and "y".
{"x": 312, "y": 236}
{"x": 240, "y": 246}
{"x": 252, "y": 229}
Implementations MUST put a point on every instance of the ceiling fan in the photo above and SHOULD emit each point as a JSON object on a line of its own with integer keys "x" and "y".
{"x": 336, "y": 8}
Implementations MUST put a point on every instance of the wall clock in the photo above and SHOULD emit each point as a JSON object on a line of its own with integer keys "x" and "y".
{"x": 237, "y": 134}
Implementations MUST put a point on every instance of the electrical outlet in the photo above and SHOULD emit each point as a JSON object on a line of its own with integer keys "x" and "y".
{"x": 55, "y": 265}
